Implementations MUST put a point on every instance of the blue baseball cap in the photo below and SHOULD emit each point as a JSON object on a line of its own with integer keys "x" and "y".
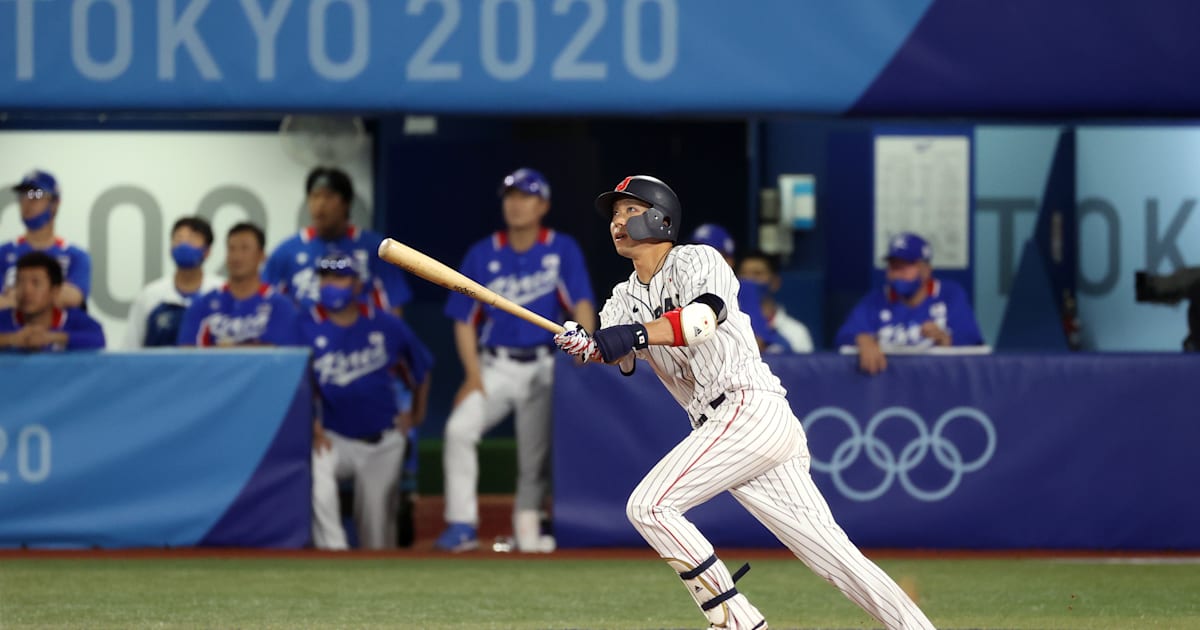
{"x": 38, "y": 180}
{"x": 337, "y": 264}
{"x": 909, "y": 247}
{"x": 714, "y": 235}
{"x": 526, "y": 180}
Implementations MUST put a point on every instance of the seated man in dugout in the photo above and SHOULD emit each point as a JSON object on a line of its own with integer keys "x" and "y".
{"x": 35, "y": 323}
{"x": 912, "y": 309}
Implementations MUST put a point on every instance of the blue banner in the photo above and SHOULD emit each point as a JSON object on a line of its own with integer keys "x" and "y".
{"x": 156, "y": 449}
{"x": 445, "y": 55}
{"x": 613, "y": 56}
{"x": 981, "y": 452}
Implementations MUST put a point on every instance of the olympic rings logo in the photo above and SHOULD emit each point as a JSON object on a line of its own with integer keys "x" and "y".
{"x": 894, "y": 466}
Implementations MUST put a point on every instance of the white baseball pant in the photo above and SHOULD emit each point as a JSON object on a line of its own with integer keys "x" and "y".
{"x": 524, "y": 389}
{"x": 754, "y": 446}
{"x": 376, "y": 470}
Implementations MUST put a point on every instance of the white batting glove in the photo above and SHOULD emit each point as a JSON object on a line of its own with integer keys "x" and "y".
{"x": 575, "y": 341}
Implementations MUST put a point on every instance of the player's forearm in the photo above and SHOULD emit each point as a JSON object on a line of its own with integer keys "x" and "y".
{"x": 70, "y": 296}
{"x": 866, "y": 340}
{"x": 585, "y": 313}
{"x": 468, "y": 348}
{"x": 690, "y": 325}
{"x": 660, "y": 332}
{"x": 420, "y": 401}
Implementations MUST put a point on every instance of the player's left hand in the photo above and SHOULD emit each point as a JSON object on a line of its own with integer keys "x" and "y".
{"x": 37, "y": 338}
{"x": 575, "y": 341}
{"x": 21, "y": 339}
{"x": 404, "y": 422}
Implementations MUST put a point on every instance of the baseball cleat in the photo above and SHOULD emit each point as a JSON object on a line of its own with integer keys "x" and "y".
{"x": 457, "y": 538}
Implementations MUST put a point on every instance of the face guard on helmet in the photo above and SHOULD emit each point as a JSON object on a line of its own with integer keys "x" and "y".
{"x": 661, "y": 222}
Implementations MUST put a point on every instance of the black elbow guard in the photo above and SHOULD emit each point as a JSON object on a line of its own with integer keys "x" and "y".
{"x": 715, "y": 303}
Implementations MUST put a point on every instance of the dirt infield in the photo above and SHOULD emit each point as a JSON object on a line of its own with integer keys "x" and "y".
{"x": 495, "y": 518}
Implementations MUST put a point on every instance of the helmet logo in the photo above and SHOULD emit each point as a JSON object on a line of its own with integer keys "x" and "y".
{"x": 621, "y": 187}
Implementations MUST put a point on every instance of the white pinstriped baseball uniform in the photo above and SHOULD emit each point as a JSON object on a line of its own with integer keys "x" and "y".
{"x": 745, "y": 439}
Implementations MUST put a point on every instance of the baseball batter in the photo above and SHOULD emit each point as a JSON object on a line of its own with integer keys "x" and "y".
{"x": 679, "y": 312}
{"x": 507, "y": 362}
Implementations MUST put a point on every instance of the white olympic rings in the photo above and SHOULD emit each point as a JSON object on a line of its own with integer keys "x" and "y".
{"x": 897, "y": 467}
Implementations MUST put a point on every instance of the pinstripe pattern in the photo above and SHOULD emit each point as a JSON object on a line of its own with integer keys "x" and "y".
{"x": 727, "y": 362}
{"x": 751, "y": 445}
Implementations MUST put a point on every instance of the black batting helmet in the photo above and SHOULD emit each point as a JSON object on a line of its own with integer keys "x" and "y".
{"x": 662, "y": 221}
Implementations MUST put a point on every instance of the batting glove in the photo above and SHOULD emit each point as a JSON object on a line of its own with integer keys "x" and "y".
{"x": 575, "y": 341}
{"x": 615, "y": 342}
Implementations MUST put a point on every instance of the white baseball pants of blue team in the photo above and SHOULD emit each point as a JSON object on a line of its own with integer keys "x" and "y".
{"x": 375, "y": 469}
{"x": 521, "y": 388}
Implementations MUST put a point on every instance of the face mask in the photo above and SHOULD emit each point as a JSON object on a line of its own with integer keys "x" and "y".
{"x": 38, "y": 221}
{"x": 906, "y": 288}
{"x": 764, "y": 288}
{"x": 336, "y": 298}
{"x": 187, "y": 256}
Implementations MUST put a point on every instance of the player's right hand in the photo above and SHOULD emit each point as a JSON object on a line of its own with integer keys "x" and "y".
{"x": 940, "y": 336}
{"x": 321, "y": 442}
{"x": 471, "y": 384}
{"x": 21, "y": 338}
{"x": 575, "y": 341}
{"x": 871, "y": 358}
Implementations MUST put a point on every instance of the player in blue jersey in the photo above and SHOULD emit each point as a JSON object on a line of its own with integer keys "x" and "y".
{"x": 246, "y": 311}
{"x": 358, "y": 350}
{"x": 749, "y": 296}
{"x": 509, "y": 363}
{"x": 157, "y": 312}
{"x": 35, "y": 324}
{"x": 912, "y": 309}
{"x": 39, "y": 197}
{"x": 290, "y": 267}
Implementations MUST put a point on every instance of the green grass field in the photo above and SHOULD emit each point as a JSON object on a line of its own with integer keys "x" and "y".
{"x": 463, "y": 592}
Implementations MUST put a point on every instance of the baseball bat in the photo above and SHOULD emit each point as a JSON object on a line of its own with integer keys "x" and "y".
{"x": 435, "y": 271}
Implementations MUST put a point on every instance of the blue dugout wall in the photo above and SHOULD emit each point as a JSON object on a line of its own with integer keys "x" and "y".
{"x": 151, "y": 449}
{"x": 979, "y": 452}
